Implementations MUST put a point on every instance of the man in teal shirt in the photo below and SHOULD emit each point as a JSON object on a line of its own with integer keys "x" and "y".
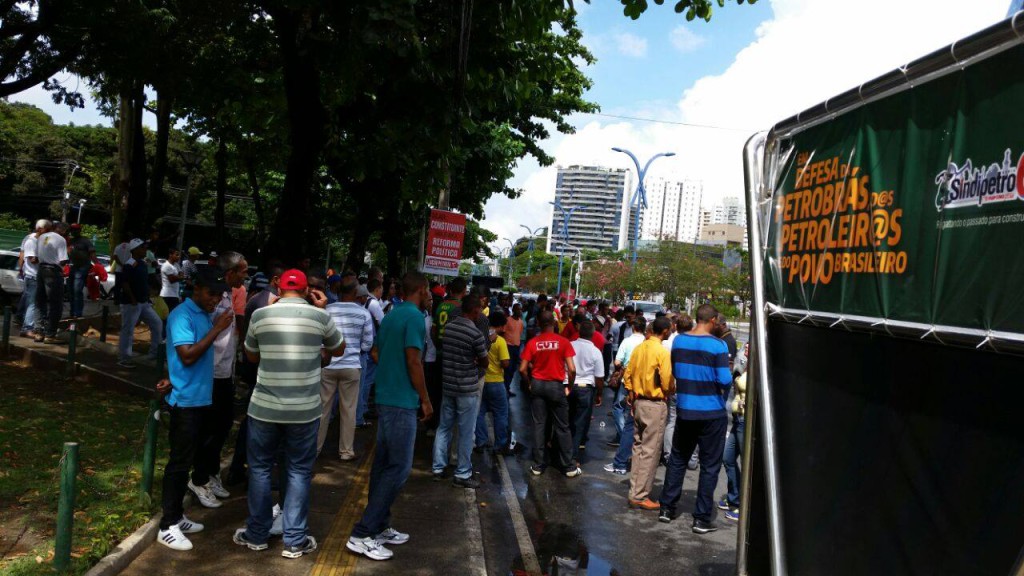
{"x": 401, "y": 389}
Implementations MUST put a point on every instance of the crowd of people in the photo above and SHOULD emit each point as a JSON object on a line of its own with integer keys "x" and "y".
{"x": 414, "y": 356}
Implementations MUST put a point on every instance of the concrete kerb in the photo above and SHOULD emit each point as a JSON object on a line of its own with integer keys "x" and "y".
{"x": 128, "y": 550}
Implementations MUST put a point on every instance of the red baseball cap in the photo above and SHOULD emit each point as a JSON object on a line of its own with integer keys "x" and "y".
{"x": 293, "y": 280}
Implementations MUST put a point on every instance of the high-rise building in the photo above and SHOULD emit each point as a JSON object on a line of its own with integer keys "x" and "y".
{"x": 599, "y": 196}
{"x": 729, "y": 212}
{"x": 673, "y": 210}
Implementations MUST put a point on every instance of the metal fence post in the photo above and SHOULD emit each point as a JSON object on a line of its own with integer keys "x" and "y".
{"x": 103, "y": 325}
{"x": 66, "y": 506}
{"x": 7, "y": 330}
{"x": 69, "y": 371}
{"x": 149, "y": 453}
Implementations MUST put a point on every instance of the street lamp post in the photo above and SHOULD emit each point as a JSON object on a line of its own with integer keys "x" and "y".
{"x": 531, "y": 234}
{"x": 640, "y": 196}
{"x": 81, "y": 205}
{"x": 511, "y": 255}
{"x": 566, "y": 216}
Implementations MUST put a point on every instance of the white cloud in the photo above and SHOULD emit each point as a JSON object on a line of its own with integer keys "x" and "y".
{"x": 685, "y": 41}
{"x": 809, "y": 50}
{"x": 631, "y": 45}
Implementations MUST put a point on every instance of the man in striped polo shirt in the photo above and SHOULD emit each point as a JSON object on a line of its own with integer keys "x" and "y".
{"x": 462, "y": 367}
{"x": 285, "y": 339}
{"x": 700, "y": 364}
{"x": 343, "y": 374}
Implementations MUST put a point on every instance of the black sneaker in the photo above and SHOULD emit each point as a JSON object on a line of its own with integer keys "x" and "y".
{"x": 665, "y": 516}
{"x": 299, "y": 551}
{"x": 466, "y": 482}
{"x": 438, "y": 476}
{"x": 702, "y": 527}
{"x": 537, "y": 469}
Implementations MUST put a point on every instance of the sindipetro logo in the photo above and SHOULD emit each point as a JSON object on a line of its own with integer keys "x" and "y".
{"x": 960, "y": 186}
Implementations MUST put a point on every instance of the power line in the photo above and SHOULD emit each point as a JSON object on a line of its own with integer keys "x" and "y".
{"x": 690, "y": 124}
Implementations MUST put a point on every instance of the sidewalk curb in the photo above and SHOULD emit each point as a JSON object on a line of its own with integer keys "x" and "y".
{"x": 128, "y": 550}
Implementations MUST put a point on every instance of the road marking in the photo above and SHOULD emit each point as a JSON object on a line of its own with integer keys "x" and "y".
{"x": 333, "y": 558}
{"x": 477, "y": 561}
{"x": 526, "y": 550}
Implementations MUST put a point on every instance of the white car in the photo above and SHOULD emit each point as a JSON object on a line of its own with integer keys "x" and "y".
{"x": 10, "y": 283}
{"x": 647, "y": 308}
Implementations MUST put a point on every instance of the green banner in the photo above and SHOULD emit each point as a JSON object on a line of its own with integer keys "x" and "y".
{"x": 911, "y": 207}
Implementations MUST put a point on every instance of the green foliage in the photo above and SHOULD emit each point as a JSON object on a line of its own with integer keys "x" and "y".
{"x": 693, "y": 8}
{"x": 10, "y": 221}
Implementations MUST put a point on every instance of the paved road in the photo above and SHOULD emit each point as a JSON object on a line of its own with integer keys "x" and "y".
{"x": 504, "y": 527}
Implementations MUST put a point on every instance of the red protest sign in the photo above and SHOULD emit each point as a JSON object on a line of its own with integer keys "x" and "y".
{"x": 444, "y": 243}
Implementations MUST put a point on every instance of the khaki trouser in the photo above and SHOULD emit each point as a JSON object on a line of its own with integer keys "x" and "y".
{"x": 647, "y": 439}
{"x": 346, "y": 382}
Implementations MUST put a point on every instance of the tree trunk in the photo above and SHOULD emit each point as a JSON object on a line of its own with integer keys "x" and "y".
{"x": 156, "y": 205}
{"x": 254, "y": 189}
{"x": 305, "y": 118}
{"x": 220, "y": 158}
{"x": 137, "y": 177}
{"x": 121, "y": 179}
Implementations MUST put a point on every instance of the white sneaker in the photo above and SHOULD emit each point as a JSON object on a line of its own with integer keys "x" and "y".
{"x": 370, "y": 547}
{"x": 277, "y": 528}
{"x": 392, "y": 536}
{"x": 174, "y": 539}
{"x": 240, "y": 539}
{"x": 204, "y": 495}
{"x": 188, "y": 526}
{"x": 217, "y": 488}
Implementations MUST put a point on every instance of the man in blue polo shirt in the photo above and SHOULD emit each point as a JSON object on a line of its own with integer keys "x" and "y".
{"x": 700, "y": 364}
{"x": 190, "y": 367}
{"x": 401, "y": 389}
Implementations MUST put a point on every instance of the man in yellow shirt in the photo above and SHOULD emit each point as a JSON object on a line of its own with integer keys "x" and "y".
{"x": 495, "y": 397}
{"x": 649, "y": 383}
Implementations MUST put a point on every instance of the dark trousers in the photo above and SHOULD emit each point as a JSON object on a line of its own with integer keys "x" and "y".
{"x": 432, "y": 373}
{"x": 548, "y": 401}
{"x": 214, "y": 431}
{"x": 709, "y": 436}
{"x": 183, "y": 439}
{"x": 49, "y": 299}
{"x": 581, "y": 408}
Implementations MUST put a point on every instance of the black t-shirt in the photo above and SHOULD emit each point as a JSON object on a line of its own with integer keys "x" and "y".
{"x": 135, "y": 277}
{"x": 81, "y": 247}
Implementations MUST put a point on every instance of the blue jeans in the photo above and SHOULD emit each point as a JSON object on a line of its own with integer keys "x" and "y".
{"x": 28, "y": 301}
{"x": 78, "y": 276}
{"x": 396, "y": 437}
{"x": 299, "y": 443}
{"x": 495, "y": 401}
{"x": 709, "y": 436}
{"x": 733, "y": 452}
{"x": 513, "y": 367}
{"x": 131, "y": 314}
{"x": 458, "y": 411}
{"x": 369, "y": 370}
{"x": 581, "y": 408}
{"x": 618, "y": 414}
{"x": 625, "y": 450}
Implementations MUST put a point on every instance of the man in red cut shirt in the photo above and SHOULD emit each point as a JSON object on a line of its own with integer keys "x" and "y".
{"x": 547, "y": 360}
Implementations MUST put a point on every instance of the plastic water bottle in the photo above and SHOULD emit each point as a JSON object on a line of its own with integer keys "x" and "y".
{"x": 602, "y": 424}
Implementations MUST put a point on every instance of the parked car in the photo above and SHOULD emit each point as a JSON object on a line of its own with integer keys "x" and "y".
{"x": 10, "y": 284}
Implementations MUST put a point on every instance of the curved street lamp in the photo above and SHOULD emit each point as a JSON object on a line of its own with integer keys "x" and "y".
{"x": 640, "y": 196}
{"x": 531, "y": 234}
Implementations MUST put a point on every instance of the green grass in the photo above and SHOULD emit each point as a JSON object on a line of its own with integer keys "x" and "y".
{"x": 38, "y": 413}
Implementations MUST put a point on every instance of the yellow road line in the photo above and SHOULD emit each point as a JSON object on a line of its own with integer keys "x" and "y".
{"x": 333, "y": 558}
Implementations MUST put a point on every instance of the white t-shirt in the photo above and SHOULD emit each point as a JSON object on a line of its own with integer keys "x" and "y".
{"x": 667, "y": 343}
{"x": 627, "y": 347}
{"x": 51, "y": 248}
{"x": 28, "y": 248}
{"x": 589, "y": 362}
{"x": 373, "y": 305}
{"x": 225, "y": 347}
{"x": 169, "y": 289}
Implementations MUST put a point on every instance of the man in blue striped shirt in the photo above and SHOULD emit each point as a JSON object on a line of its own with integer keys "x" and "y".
{"x": 700, "y": 364}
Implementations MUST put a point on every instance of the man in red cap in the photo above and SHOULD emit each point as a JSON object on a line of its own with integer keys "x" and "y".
{"x": 286, "y": 340}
